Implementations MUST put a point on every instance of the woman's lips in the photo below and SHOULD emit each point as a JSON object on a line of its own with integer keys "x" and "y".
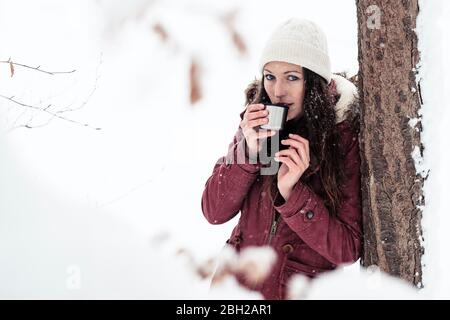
{"x": 285, "y": 104}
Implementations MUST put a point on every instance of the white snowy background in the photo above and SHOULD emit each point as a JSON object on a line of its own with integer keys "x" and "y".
{"x": 115, "y": 213}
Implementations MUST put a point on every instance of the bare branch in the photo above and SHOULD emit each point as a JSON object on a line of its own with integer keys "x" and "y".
{"x": 29, "y": 124}
{"x": 38, "y": 68}
{"x": 53, "y": 114}
{"x": 92, "y": 91}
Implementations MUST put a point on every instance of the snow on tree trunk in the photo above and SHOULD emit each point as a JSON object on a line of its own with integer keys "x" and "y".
{"x": 390, "y": 137}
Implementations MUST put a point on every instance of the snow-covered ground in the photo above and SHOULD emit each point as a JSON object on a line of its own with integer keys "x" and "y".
{"x": 115, "y": 212}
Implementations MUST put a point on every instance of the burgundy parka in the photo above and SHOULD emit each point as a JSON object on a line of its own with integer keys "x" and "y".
{"x": 305, "y": 237}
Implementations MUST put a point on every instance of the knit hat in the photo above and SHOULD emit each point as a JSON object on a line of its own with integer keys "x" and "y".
{"x": 300, "y": 42}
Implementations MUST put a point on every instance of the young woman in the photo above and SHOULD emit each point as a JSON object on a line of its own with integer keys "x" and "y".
{"x": 309, "y": 212}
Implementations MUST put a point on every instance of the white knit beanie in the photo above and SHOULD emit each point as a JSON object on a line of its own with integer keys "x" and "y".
{"x": 300, "y": 42}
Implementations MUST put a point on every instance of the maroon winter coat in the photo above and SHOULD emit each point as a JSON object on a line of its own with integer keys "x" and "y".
{"x": 306, "y": 239}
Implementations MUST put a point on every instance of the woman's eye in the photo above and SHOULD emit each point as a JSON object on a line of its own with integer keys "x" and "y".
{"x": 270, "y": 77}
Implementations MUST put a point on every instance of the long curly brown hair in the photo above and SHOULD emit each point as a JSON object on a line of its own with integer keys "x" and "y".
{"x": 317, "y": 125}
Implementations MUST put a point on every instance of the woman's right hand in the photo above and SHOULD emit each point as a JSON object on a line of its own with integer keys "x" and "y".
{"x": 254, "y": 116}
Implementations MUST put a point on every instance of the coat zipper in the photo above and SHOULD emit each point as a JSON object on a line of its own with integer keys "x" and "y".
{"x": 273, "y": 230}
{"x": 273, "y": 227}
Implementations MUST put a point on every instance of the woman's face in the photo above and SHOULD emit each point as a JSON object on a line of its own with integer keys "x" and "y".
{"x": 284, "y": 83}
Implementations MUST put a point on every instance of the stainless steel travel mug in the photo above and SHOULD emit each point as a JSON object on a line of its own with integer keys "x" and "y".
{"x": 277, "y": 116}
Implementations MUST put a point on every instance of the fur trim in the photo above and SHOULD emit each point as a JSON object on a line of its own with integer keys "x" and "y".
{"x": 348, "y": 96}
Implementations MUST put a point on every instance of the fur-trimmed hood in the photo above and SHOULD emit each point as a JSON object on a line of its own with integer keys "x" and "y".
{"x": 348, "y": 99}
{"x": 345, "y": 92}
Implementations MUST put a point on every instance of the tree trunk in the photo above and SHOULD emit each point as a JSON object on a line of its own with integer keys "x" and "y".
{"x": 390, "y": 101}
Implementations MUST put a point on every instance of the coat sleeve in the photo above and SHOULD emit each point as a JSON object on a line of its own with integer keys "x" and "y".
{"x": 336, "y": 239}
{"x": 231, "y": 179}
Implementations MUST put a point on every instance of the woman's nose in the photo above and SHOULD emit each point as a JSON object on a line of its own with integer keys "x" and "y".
{"x": 279, "y": 90}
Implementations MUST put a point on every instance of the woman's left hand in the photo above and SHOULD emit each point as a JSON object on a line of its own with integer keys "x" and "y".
{"x": 294, "y": 162}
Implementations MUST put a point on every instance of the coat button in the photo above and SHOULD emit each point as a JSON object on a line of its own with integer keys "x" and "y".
{"x": 287, "y": 248}
{"x": 309, "y": 215}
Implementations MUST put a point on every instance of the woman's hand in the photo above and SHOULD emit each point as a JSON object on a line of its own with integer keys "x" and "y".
{"x": 294, "y": 162}
{"x": 254, "y": 116}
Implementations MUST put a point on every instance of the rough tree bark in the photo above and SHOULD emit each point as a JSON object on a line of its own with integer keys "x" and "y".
{"x": 390, "y": 98}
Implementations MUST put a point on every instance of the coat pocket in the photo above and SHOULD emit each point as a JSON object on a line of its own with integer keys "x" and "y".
{"x": 291, "y": 268}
